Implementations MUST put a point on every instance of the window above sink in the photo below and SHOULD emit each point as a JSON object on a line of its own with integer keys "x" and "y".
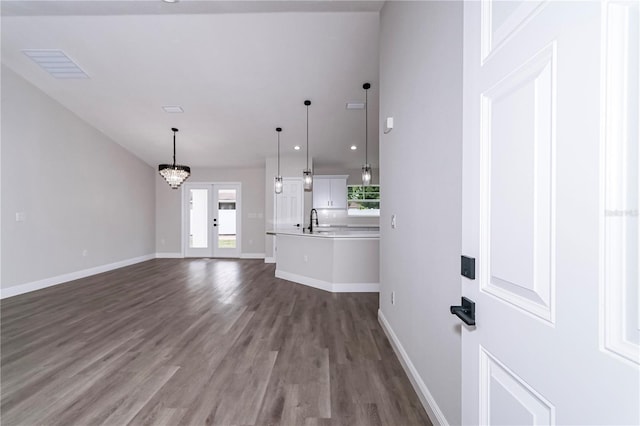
{"x": 363, "y": 200}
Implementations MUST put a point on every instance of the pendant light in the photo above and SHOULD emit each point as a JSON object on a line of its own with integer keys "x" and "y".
{"x": 278, "y": 180}
{"x": 307, "y": 175}
{"x": 366, "y": 169}
{"x": 174, "y": 174}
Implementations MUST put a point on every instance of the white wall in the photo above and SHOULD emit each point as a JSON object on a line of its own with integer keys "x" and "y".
{"x": 355, "y": 175}
{"x": 77, "y": 188}
{"x": 169, "y": 208}
{"x": 421, "y": 181}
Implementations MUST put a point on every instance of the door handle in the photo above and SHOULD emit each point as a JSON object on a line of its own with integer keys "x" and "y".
{"x": 298, "y": 225}
{"x": 466, "y": 312}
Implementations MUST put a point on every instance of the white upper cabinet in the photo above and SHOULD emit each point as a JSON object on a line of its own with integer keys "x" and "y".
{"x": 330, "y": 192}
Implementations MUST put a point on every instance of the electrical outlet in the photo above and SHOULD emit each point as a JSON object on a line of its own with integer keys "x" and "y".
{"x": 393, "y": 297}
{"x": 21, "y": 217}
{"x": 250, "y": 242}
{"x": 306, "y": 258}
{"x": 85, "y": 252}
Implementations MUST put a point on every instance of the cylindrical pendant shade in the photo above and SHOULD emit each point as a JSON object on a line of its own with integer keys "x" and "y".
{"x": 366, "y": 174}
{"x": 307, "y": 180}
{"x": 366, "y": 169}
{"x": 277, "y": 185}
{"x": 307, "y": 175}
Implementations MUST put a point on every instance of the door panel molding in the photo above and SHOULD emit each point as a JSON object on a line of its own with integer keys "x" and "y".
{"x": 517, "y": 202}
{"x": 496, "y": 31}
{"x": 505, "y": 398}
{"x": 620, "y": 242}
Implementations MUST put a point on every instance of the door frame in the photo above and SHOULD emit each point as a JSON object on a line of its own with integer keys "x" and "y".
{"x": 183, "y": 215}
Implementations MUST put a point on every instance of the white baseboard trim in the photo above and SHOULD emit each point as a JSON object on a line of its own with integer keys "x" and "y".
{"x": 49, "y": 282}
{"x": 428, "y": 402}
{"x": 252, "y": 256}
{"x": 169, "y": 256}
{"x": 328, "y": 286}
{"x": 269, "y": 260}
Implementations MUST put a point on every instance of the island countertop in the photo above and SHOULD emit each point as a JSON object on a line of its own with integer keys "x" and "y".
{"x": 325, "y": 259}
{"x": 326, "y": 233}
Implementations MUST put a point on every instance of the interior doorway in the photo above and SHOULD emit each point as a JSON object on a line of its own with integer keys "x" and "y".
{"x": 288, "y": 207}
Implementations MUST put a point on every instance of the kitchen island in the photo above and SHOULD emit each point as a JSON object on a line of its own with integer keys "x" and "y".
{"x": 333, "y": 260}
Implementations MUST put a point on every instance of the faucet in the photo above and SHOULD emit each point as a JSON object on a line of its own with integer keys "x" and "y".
{"x": 311, "y": 220}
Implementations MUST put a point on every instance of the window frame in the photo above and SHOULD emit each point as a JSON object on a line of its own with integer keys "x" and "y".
{"x": 367, "y": 212}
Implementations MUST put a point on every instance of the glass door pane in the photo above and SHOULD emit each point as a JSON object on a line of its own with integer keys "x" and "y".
{"x": 198, "y": 218}
{"x": 227, "y": 226}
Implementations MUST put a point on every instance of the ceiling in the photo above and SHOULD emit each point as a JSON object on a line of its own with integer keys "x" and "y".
{"x": 238, "y": 69}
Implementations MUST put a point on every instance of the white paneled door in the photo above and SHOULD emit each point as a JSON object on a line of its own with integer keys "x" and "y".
{"x": 212, "y": 216}
{"x": 550, "y": 212}
{"x": 288, "y": 207}
{"x": 288, "y": 204}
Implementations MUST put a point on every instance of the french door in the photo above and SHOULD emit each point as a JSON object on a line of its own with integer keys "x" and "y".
{"x": 212, "y": 220}
{"x": 550, "y": 212}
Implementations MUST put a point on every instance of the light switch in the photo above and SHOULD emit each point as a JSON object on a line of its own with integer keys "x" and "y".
{"x": 393, "y": 221}
{"x": 21, "y": 217}
{"x": 388, "y": 125}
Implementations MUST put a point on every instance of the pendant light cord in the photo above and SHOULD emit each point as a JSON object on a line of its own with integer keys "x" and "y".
{"x": 307, "y": 137}
{"x": 366, "y": 126}
{"x": 278, "y": 153}
{"x": 174, "y": 148}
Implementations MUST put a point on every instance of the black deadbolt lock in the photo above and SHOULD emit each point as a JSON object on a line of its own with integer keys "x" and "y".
{"x": 468, "y": 267}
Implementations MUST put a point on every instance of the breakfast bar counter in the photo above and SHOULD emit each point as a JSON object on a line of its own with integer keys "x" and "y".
{"x": 332, "y": 260}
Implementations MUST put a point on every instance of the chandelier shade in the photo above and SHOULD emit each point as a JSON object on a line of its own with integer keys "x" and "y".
{"x": 174, "y": 174}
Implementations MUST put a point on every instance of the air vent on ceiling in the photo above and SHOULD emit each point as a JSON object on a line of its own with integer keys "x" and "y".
{"x": 56, "y": 63}
{"x": 173, "y": 109}
{"x": 355, "y": 105}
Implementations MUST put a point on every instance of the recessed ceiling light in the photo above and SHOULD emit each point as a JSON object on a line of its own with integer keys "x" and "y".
{"x": 353, "y": 147}
{"x": 55, "y": 62}
{"x": 173, "y": 109}
{"x": 355, "y": 105}
{"x": 170, "y": 1}
{"x": 297, "y": 147}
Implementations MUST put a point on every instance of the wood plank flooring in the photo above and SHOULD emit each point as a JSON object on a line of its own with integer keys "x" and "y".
{"x": 198, "y": 342}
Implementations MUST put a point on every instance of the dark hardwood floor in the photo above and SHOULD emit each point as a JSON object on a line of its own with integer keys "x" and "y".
{"x": 194, "y": 342}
